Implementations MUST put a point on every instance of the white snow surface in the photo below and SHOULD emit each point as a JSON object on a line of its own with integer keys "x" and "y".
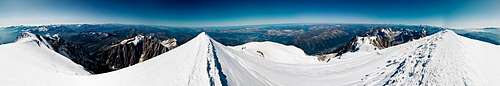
{"x": 444, "y": 58}
{"x": 275, "y": 52}
{"x": 29, "y": 62}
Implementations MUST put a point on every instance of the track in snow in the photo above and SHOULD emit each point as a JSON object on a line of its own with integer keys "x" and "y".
{"x": 213, "y": 61}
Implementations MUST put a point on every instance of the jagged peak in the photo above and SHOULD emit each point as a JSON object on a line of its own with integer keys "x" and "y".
{"x": 169, "y": 42}
{"x": 134, "y": 40}
{"x": 367, "y": 44}
{"x": 372, "y": 40}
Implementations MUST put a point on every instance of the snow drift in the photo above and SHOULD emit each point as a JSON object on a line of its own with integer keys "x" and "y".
{"x": 440, "y": 59}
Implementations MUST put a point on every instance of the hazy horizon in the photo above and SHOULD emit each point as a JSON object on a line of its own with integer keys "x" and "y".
{"x": 196, "y": 13}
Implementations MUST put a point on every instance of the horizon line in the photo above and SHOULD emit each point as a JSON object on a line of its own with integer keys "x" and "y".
{"x": 209, "y": 26}
{"x": 48, "y": 24}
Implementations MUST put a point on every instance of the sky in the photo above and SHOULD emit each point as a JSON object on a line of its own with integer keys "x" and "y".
{"x": 198, "y": 13}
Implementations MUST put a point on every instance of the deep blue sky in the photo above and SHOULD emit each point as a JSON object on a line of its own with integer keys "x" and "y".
{"x": 244, "y": 12}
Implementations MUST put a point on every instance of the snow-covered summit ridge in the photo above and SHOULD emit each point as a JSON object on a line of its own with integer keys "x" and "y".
{"x": 30, "y": 57}
{"x": 444, "y": 58}
{"x": 27, "y": 37}
{"x": 440, "y": 59}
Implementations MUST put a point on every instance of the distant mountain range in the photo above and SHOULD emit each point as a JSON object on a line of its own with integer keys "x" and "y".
{"x": 102, "y": 48}
{"x": 443, "y": 58}
{"x": 491, "y": 35}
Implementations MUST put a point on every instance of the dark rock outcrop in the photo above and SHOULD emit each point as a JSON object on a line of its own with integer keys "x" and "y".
{"x": 380, "y": 38}
{"x": 384, "y": 37}
{"x": 134, "y": 50}
{"x": 119, "y": 54}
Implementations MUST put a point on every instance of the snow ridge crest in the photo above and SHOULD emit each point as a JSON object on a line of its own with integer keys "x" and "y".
{"x": 30, "y": 37}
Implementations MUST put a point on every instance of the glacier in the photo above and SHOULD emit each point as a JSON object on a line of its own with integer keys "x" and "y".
{"x": 444, "y": 58}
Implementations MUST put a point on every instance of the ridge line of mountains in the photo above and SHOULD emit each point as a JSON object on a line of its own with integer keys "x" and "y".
{"x": 102, "y": 48}
{"x": 443, "y": 58}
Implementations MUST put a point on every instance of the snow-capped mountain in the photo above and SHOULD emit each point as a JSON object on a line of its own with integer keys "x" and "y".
{"x": 381, "y": 38}
{"x": 110, "y": 54}
{"x": 444, "y": 58}
{"x": 97, "y": 47}
{"x": 375, "y": 39}
{"x": 134, "y": 50}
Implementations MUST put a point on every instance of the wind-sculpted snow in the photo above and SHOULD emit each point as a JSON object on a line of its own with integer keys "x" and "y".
{"x": 440, "y": 59}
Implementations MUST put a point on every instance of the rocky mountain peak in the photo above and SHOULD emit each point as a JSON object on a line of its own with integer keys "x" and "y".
{"x": 376, "y": 39}
{"x": 386, "y": 37}
{"x": 134, "y": 50}
{"x": 169, "y": 43}
{"x": 134, "y": 40}
{"x": 116, "y": 53}
{"x": 368, "y": 43}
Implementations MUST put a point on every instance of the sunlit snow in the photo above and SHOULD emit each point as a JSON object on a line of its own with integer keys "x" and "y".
{"x": 444, "y": 58}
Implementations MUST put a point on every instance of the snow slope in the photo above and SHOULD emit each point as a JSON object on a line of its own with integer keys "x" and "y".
{"x": 30, "y": 62}
{"x": 275, "y": 52}
{"x": 440, "y": 59}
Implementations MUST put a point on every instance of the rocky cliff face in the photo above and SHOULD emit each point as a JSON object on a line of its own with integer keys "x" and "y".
{"x": 101, "y": 57}
{"x": 134, "y": 50}
{"x": 376, "y": 39}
